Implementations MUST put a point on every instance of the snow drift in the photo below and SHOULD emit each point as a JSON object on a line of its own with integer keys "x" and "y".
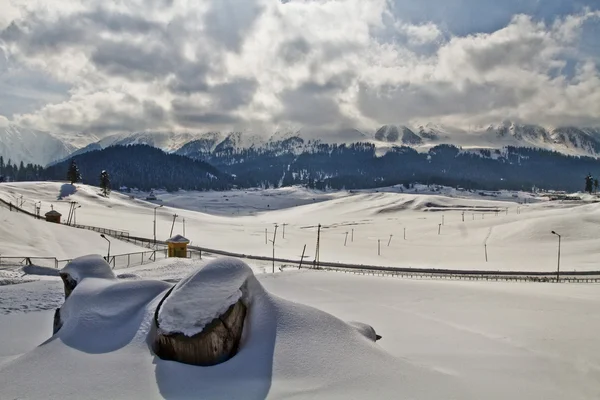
{"x": 287, "y": 349}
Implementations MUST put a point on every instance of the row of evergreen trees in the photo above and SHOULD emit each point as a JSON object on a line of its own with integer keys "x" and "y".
{"x": 22, "y": 172}
{"x": 322, "y": 166}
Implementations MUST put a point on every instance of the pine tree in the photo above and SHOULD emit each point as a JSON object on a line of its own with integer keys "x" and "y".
{"x": 589, "y": 183}
{"x": 73, "y": 174}
{"x": 105, "y": 183}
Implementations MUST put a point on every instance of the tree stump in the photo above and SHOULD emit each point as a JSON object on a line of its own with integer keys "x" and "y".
{"x": 57, "y": 322}
{"x": 218, "y": 342}
{"x": 69, "y": 284}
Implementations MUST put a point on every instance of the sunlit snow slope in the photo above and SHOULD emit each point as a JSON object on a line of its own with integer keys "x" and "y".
{"x": 517, "y": 239}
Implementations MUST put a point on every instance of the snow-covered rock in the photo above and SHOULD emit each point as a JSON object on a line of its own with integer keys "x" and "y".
{"x": 287, "y": 350}
{"x": 92, "y": 266}
{"x": 203, "y": 296}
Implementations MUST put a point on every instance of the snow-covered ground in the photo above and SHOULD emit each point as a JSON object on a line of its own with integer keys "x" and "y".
{"x": 441, "y": 339}
{"x": 518, "y": 236}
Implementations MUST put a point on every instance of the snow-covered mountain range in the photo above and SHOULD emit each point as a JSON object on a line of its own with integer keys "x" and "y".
{"x": 568, "y": 140}
{"x": 30, "y": 146}
{"x": 43, "y": 148}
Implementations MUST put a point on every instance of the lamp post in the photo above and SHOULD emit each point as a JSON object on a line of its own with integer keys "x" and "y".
{"x": 75, "y": 214}
{"x": 105, "y": 238}
{"x": 558, "y": 265}
{"x": 155, "y": 224}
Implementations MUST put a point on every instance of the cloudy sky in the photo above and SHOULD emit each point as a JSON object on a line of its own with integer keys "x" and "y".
{"x": 100, "y": 67}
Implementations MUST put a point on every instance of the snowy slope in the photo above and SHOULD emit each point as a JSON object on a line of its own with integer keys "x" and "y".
{"x": 23, "y": 236}
{"x": 494, "y": 340}
{"x": 236, "y": 221}
{"x": 30, "y": 146}
{"x": 289, "y": 350}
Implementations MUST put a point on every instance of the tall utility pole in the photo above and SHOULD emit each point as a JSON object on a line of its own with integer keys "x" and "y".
{"x": 184, "y": 227}
{"x": 439, "y": 229}
{"x": 346, "y": 240}
{"x": 558, "y": 265}
{"x": 75, "y": 214}
{"x": 317, "y": 249}
{"x": 273, "y": 241}
{"x": 283, "y": 233}
{"x": 352, "y": 238}
{"x": 390, "y": 241}
{"x": 173, "y": 224}
{"x": 442, "y": 220}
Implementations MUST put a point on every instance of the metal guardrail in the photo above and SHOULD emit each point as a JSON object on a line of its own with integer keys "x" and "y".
{"x": 13, "y": 207}
{"x": 117, "y": 261}
{"x": 418, "y": 273}
{"x": 110, "y": 232}
{"x": 435, "y": 273}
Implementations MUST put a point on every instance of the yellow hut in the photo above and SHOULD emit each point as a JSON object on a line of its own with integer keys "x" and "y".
{"x": 53, "y": 216}
{"x": 178, "y": 246}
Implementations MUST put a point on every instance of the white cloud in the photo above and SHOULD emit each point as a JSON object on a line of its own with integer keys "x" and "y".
{"x": 420, "y": 34}
{"x": 230, "y": 64}
{"x": 4, "y": 122}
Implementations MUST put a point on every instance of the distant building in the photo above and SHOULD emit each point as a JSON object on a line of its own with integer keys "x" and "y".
{"x": 53, "y": 216}
{"x": 178, "y": 246}
{"x": 151, "y": 196}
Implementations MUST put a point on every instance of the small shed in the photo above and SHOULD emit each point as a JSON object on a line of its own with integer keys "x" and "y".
{"x": 178, "y": 246}
{"x": 53, "y": 216}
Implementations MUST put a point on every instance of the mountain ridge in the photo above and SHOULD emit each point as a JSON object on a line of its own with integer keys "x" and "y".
{"x": 580, "y": 141}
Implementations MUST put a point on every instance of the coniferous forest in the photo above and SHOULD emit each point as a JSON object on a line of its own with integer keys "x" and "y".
{"x": 319, "y": 166}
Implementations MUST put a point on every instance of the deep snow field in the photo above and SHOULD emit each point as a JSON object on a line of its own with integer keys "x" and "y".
{"x": 441, "y": 339}
{"x": 517, "y": 236}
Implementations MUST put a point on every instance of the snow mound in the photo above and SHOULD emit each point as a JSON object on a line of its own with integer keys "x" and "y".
{"x": 203, "y": 296}
{"x": 92, "y": 266}
{"x": 366, "y": 330}
{"x": 288, "y": 350}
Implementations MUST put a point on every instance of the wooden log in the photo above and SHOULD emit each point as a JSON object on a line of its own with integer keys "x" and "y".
{"x": 69, "y": 284}
{"x": 218, "y": 342}
{"x": 57, "y": 322}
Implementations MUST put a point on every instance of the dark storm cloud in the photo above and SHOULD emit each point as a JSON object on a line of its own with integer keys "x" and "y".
{"x": 401, "y": 103}
{"x": 192, "y": 116}
{"x": 117, "y": 117}
{"x": 294, "y": 51}
{"x": 190, "y": 78}
{"x": 228, "y": 22}
{"x": 232, "y": 95}
{"x": 304, "y": 106}
{"x": 131, "y": 60}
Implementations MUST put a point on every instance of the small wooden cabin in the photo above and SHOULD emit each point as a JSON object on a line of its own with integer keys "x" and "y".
{"x": 178, "y": 246}
{"x": 53, "y": 216}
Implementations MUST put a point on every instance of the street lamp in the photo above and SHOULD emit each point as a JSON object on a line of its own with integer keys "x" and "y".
{"x": 155, "y": 224}
{"x": 75, "y": 215}
{"x": 105, "y": 238}
{"x": 558, "y": 266}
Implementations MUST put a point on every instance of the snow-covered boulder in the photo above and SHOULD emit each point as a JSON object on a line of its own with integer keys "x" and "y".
{"x": 103, "y": 348}
{"x": 366, "y": 330}
{"x": 200, "y": 321}
{"x": 92, "y": 266}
